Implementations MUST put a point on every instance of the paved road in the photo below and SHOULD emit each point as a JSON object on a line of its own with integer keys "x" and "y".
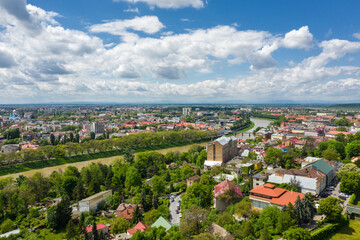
{"x": 335, "y": 193}
{"x": 175, "y": 219}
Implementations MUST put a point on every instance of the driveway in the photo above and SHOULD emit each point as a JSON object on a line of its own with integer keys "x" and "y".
{"x": 175, "y": 219}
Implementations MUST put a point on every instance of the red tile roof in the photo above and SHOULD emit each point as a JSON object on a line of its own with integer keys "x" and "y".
{"x": 98, "y": 227}
{"x": 274, "y": 195}
{"x": 140, "y": 226}
{"x": 288, "y": 196}
{"x": 268, "y": 190}
{"x": 225, "y": 186}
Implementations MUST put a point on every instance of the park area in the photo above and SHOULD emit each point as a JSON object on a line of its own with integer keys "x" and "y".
{"x": 348, "y": 232}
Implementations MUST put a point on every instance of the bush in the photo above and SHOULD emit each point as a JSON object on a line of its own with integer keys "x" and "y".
{"x": 325, "y": 231}
{"x": 352, "y": 200}
{"x": 329, "y": 229}
{"x": 7, "y": 226}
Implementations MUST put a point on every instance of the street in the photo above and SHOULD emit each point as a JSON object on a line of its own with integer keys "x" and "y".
{"x": 175, "y": 219}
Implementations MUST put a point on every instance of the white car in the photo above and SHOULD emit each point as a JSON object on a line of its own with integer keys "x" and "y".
{"x": 180, "y": 215}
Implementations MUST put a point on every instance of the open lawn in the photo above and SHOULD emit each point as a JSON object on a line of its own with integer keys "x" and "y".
{"x": 350, "y": 232}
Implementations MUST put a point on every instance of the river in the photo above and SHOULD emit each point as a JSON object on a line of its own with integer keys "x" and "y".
{"x": 258, "y": 123}
{"x": 46, "y": 172}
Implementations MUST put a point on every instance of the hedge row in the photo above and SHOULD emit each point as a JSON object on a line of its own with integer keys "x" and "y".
{"x": 329, "y": 229}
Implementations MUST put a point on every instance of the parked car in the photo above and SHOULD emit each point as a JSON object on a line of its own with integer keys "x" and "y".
{"x": 178, "y": 208}
{"x": 180, "y": 215}
{"x": 177, "y": 211}
{"x": 342, "y": 197}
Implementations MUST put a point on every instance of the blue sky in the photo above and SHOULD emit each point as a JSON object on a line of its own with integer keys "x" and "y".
{"x": 186, "y": 51}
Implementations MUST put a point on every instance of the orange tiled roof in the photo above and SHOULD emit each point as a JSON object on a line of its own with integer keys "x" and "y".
{"x": 268, "y": 190}
{"x": 140, "y": 226}
{"x": 288, "y": 196}
{"x": 275, "y": 195}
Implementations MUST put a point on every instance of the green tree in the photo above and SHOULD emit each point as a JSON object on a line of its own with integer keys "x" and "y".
{"x": 114, "y": 200}
{"x": 273, "y": 156}
{"x": 158, "y": 185}
{"x": 350, "y": 167}
{"x": 331, "y": 208}
{"x": 120, "y": 225}
{"x": 225, "y": 218}
{"x": 352, "y": 149}
{"x": 7, "y": 226}
{"x": 137, "y": 216}
{"x": 79, "y": 191}
{"x": 331, "y": 154}
{"x": 284, "y": 222}
{"x": 92, "y": 135}
{"x": 339, "y": 147}
{"x": 300, "y": 210}
{"x": 186, "y": 171}
{"x": 350, "y": 182}
{"x": 52, "y": 139}
{"x": 72, "y": 232}
{"x": 133, "y": 177}
{"x": 129, "y": 156}
{"x": 94, "y": 232}
{"x": 309, "y": 210}
{"x": 243, "y": 208}
{"x": 192, "y": 219}
{"x": 297, "y": 234}
{"x": 69, "y": 184}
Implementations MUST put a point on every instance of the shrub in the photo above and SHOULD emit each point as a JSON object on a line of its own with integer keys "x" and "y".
{"x": 7, "y": 226}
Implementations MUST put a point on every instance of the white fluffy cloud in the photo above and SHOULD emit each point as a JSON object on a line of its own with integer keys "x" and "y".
{"x": 168, "y": 3}
{"x": 301, "y": 38}
{"x": 147, "y": 24}
{"x": 41, "y": 61}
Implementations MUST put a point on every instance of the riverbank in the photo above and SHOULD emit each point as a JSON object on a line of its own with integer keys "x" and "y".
{"x": 251, "y": 126}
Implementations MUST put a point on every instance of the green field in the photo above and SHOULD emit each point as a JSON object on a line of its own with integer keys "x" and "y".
{"x": 349, "y": 232}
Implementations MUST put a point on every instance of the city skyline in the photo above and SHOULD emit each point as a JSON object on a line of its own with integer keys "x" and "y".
{"x": 179, "y": 51}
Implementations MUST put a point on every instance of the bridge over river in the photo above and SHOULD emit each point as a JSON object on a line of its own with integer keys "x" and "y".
{"x": 249, "y": 133}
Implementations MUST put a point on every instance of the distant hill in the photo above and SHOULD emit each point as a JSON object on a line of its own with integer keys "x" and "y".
{"x": 346, "y": 105}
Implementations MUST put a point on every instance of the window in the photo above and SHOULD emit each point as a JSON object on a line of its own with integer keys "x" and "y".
{"x": 257, "y": 204}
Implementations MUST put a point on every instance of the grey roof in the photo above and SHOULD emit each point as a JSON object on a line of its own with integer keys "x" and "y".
{"x": 224, "y": 140}
{"x": 259, "y": 175}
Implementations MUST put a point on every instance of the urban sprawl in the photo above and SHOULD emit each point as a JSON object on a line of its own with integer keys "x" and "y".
{"x": 176, "y": 172}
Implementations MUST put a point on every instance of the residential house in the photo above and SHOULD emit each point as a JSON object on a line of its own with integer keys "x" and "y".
{"x": 29, "y": 146}
{"x": 99, "y": 228}
{"x": 300, "y": 144}
{"x": 126, "y": 210}
{"x": 191, "y": 180}
{"x": 308, "y": 160}
{"x": 332, "y": 134}
{"x": 327, "y": 167}
{"x": 219, "y": 232}
{"x": 259, "y": 179}
{"x": 138, "y": 227}
{"x": 162, "y": 222}
{"x": 308, "y": 180}
{"x": 10, "y": 148}
{"x": 222, "y": 191}
{"x": 267, "y": 194}
{"x": 221, "y": 177}
{"x": 278, "y": 137}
